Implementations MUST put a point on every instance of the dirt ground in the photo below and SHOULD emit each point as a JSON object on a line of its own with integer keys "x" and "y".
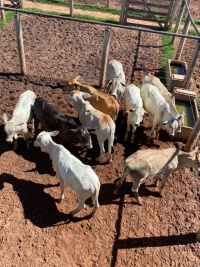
{"x": 35, "y": 229}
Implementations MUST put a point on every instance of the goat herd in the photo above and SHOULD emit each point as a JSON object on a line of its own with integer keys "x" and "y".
{"x": 98, "y": 113}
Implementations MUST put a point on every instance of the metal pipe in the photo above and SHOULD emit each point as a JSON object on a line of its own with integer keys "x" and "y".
{"x": 191, "y": 19}
{"x": 101, "y": 23}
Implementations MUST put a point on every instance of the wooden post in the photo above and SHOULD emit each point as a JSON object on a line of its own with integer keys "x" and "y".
{"x": 169, "y": 14}
{"x": 104, "y": 57}
{"x": 20, "y": 44}
{"x": 2, "y": 11}
{"x": 178, "y": 20}
{"x": 198, "y": 236}
{"x": 21, "y": 3}
{"x": 71, "y": 8}
{"x": 108, "y": 3}
{"x": 192, "y": 65}
{"x": 182, "y": 41}
{"x": 173, "y": 13}
{"x": 122, "y": 13}
{"x": 193, "y": 136}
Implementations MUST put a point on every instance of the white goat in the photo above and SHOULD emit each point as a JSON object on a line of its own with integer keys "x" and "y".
{"x": 71, "y": 171}
{"x": 133, "y": 106}
{"x": 21, "y": 116}
{"x": 91, "y": 118}
{"x": 115, "y": 79}
{"x": 155, "y": 104}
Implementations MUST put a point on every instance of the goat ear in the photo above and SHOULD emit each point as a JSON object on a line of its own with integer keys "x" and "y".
{"x": 5, "y": 118}
{"x": 195, "y": 149}
{"x": 181, "y": 115}
{"x": 108, "y": 84}
{"x": 54, "y": 133}
{"x": 70, "y": 98}
{"x": 76, "y": 87}
{"x": 119, "y": 75}
{"x": 78, "y": 77}
{"x": 164, "y": 122}
{"x": 85, "y": 95}
{"x": 73, "y": 130}
{"x": 44, "y": 142}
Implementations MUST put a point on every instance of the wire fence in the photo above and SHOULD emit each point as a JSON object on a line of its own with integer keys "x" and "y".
{"x": 137, "y": 68}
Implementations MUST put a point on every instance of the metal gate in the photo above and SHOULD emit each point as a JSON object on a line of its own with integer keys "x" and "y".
{"x": 148, "y": 13}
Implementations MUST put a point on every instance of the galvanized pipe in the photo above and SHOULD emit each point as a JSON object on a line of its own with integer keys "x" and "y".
{"x": 101, "y": 23}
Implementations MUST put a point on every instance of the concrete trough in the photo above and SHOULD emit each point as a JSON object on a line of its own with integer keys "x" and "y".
{"x": 186, "y": 100}
{"x": 175, "y": 73}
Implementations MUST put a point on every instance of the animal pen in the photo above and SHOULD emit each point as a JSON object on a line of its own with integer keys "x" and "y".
{"x": 157, "y": 233}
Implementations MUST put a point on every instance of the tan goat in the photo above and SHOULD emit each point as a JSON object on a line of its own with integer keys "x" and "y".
{"x": 101, "y": 101}
{"x": 162, "y": 162}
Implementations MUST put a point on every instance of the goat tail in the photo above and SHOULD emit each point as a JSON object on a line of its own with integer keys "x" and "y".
{"x": 124, "y": 173}
{"x": 121, "y": 180}
{"x": 111, "y": 139}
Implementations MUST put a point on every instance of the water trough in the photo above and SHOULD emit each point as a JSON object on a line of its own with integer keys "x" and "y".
{"x": 186, "y": 100}
{"x": 175, "y": 73}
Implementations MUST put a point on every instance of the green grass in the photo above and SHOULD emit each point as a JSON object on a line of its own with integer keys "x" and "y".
{"x": 8, "y": 17}
{"x": 168, "y": 53}
{"x": 97, "y": 8}
{"x": 94, "y": 8}
{"x": 78, "y": 16}
{"x": 197, "y": 21}
{"x": 198, "y": 101}
{"x": 191, "y": 31}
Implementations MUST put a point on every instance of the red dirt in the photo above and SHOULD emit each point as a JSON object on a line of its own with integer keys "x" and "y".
{"x": 35, "y": 230}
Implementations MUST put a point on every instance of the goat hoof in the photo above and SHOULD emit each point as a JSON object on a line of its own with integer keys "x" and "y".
{"x": 92, "y": 213}
{"x": 115, "y": 192}
{"x": 148, "y": 142}
{"x": 71, "y": 214}
{"x": 139, "y": 203}
{"x": 59, "y": 200}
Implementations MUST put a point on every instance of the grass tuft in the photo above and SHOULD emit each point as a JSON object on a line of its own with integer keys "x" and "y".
{"x": 9, "y": 17}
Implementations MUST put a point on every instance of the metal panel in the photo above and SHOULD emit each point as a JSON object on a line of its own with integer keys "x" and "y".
{"x": 158, "y": 15}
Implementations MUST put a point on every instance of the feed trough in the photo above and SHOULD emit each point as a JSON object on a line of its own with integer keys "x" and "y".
{"x": 186, "y": 100}
{"x": 175, "y": 73}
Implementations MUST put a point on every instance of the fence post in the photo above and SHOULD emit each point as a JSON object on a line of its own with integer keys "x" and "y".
{"x": 104, "y": 57}
{"x": 193, "y": 136}
{"x": 192, "y": 65}
{"x": 21, "y": 3}
{"x": 169, "y": 14}
{"x": 182, "y": 41}
{"x": 173, "y": 14}
{"x": 108, "y": 3}
{"x": 2, "y": 11}
{"x": 71, "y": 8}
{"x": 122, "y": 13}
{"x": 178, "y": 20}
{"x": 20, "y": 44}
